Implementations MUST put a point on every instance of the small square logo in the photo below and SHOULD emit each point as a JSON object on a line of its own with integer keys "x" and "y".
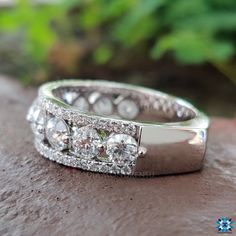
{"x": 224, "y": 225}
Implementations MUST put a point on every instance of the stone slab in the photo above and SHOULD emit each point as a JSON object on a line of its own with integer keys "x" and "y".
{"x": 39, "y": 197}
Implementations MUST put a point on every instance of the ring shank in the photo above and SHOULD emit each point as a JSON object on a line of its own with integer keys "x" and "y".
{"x": 171, "y": 150}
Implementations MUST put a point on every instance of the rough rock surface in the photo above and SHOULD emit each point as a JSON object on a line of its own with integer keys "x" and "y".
{"x": 39, "y": 197}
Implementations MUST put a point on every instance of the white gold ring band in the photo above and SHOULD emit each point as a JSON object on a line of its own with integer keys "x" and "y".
{"x": 117, "y": 128}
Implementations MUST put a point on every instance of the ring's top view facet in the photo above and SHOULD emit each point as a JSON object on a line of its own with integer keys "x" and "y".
{"x": 117, "y": 128}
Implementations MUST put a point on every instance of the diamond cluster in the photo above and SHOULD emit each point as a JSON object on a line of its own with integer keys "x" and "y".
{"x": 78, "y": 140}
{"x": 83, "y": 119}
{"x": 91, "y": 165}
{"x": 104, "y": 104}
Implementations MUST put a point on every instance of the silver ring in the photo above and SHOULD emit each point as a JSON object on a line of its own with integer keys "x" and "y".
{"x": 117, "y": 128}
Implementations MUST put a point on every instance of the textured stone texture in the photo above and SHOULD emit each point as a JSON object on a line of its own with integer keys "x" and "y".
{"x": 39, "y": 197}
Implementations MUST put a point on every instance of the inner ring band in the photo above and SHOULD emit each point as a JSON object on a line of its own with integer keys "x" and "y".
{"x": 161, "y": 134}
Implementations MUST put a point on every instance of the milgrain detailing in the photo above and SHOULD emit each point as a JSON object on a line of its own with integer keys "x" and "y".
{"x": 116, "y": 128}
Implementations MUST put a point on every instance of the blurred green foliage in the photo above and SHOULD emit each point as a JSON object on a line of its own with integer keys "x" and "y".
{"x": 191, "y": 31}
{"x": 194, "y": 31}
{"x": 35, "y": 22}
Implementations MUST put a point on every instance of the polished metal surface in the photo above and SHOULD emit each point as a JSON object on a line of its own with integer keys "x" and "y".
{"x": 171, "y": 149}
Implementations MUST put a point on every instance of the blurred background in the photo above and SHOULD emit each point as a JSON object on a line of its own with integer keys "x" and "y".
{"x": 183, "y": 47}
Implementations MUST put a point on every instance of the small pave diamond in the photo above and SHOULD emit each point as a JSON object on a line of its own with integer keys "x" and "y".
{"x": 57, "y": 133}
{"x": 126, "y": 170}
{"x": 82, "y": 104}
{"x": 86, "y": 142}
{"x": 103, "y": 106}
{"x": 121, "y": 148}
{"x": 128, "y": 109}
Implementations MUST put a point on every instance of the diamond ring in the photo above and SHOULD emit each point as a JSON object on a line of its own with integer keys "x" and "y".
{"x": 117, "y": 128}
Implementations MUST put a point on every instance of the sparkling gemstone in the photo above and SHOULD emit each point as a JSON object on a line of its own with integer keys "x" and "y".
{"x": 86, "y": 142}
{"x": 69, "y": 97}
{"x": 32, "y": 112}
{"x": 115, "y": 169}
{"x": 104, "y": 168}
{"x": 37, "y": 117}
{"x": 57, "y": 133}
{"x": 82, "y": 104}
{"x": 121, "y": 148}
{"x": 103, "y": 106}
{"x": 128, "y": 109}
{"x": 126, "y": 170}
{"x": 93, "y": 97}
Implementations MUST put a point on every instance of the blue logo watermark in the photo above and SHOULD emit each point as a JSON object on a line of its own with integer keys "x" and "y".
{"x": 225, "y": 225}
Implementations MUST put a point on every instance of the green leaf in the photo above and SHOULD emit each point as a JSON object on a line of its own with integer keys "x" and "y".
{"x": 138, "y": 24}
{"x": 192, "y": 47}
{"x": 103, "y": 54}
